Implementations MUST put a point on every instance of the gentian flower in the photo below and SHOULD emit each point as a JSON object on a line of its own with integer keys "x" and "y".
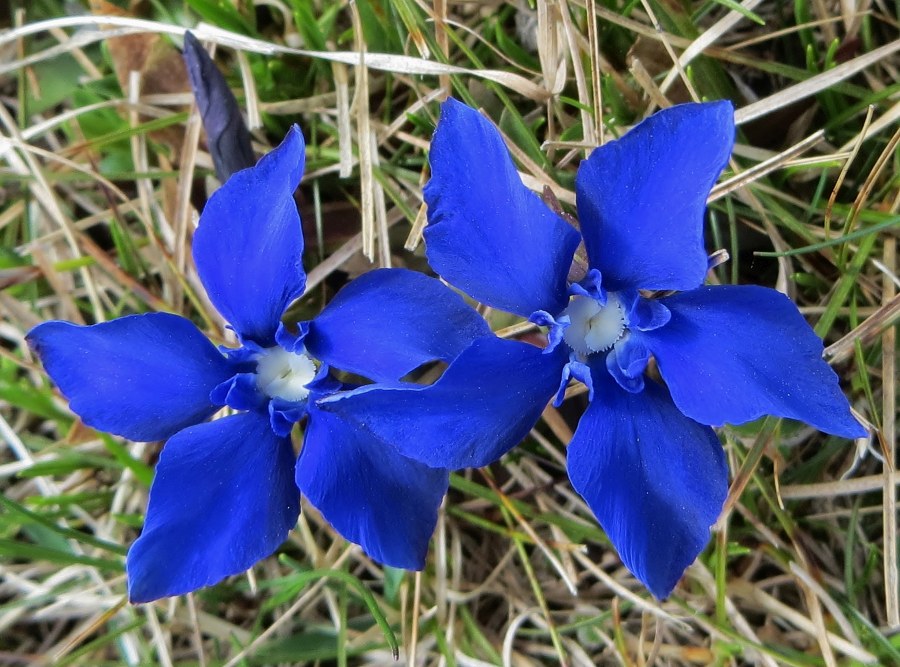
{"x": 643, "y": 456}
{"x": 226, "y": 491}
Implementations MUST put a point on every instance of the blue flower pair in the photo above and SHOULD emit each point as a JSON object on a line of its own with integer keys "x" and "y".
{"x": 643, "y": 456}
{"x": 375, "y": 458}
{"x": 226, "y": 492}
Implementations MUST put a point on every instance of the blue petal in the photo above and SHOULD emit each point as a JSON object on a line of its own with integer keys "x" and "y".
{"x": 574, "y": 370}
{"x": 655, "y": 480}
{"x": 144, "y": 377}
{"x": 283, "y": 415}
{"x": 732, "y": 353}
{"x": 642, "y": 198}
{"x": 239, "y": 392}
{"x": 590, "y": 286}
{"x": 486, "y": 401}
{"x": 223, "y": 498}
{"x": 389, "y": 321}
{"x": 644, "y": 314}
{"x": 627, "y": 361}
{"x": 556, "y": 328}
{"x": 373, "y": 496}
{"x": 249, "y": 243}
{"x": 488, "y": 234}
{"x": 228, "y": 136}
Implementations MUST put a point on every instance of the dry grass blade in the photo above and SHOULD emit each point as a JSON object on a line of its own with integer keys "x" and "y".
{"x": 381, "y": 61}
{"x": 43, "y": 193}
{"x": 363, "y": 142}
{"x": 766, "y": 167}
{"x": 414, "y": 238}
{"x": 842, "y": 487}
{"x": 709, "y": 37}
{"x": 798, "y": 620}
{"x": 345, "y": 133}
{"x": 667, "y": 43}
{"x": 846, "y": 168}
{"x": 814, "y": 84}
{"x": 884, "y": 121}
{"x": 881, "y": 320}
{"x": 48, "y": 489}
{"x": 645, "y": 80}
{"x": 889, "y": 433}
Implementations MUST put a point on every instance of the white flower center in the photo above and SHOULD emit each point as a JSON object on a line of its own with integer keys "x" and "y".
{"x": 282, "y": 374}
{"x": 594, "y": 328}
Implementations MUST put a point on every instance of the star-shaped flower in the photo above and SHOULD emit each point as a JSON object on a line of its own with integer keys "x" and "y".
{"x": 643, "y": 456}
{"x": 225, "y": 493}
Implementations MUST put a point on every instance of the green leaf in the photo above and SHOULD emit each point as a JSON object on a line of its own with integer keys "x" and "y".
{"x": 393, "y": 577}
{"x": 366, "y": 595}
{"x": 26, "y": 516}
{"x": 740, "y": 9}
{"x": 34, "y": 399}
{"x": 67, "y": 462}
{"x": 305, "y": 647}
{"x": 31, "y": 552}
{"x": 223, "y": 15}
{"x": 142, "y": 472}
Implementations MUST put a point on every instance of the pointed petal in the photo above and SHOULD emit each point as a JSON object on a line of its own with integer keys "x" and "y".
{"x": 373, "y": 496}
{"x": 223, "y": 498}
{"x": 642, "y": 198}
{"x": 144, "y": 377}
{"x": 733, "y": 353}
{"x": 487, "y": 233}
{"x": 228, "y": 136}
{"x": 655, "y": 480}
{"x": 249, "y": 243}
{"x": 389, "y": 321}
{"x": 483, "y": 405}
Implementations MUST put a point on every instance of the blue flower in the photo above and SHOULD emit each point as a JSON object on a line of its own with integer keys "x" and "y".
{"x": 643, "y": 456}
{"x": 225, "y": 493}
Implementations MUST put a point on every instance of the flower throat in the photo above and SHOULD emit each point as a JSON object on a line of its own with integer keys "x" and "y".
{"x": 594, "y": 327}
